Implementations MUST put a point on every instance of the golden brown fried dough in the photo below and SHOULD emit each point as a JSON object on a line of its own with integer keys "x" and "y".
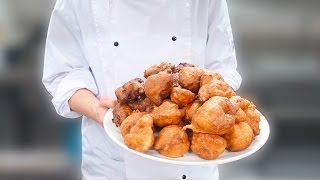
{"x": 120, "y": 113}
{"x": 189, "y": 78}
{"x": 247, "y": 113}
{"x": 191, "y": 109}
{"x": 240, "y": 137}
{"x": 208, "y": 146}
{"x": 130, "y": 121}
{"x": 158, "y": 87}
{"x": 209, "y": 76}
{"x": 142, "y": 105}
{"x": 253, "y": 119}
{"x": 181, "y": 65}
{"x": 215, "y": 116}
{"x": 215, "y": 88}
{"x": 155, "y": 69}
{"x": 172, "y": 141}
{"x": 130, "y": 91}
{"x": 175, "y": 79}
{"x": 243, "y": 103}
{"x": 181, "y": 96}
{"x": 140, "y": 136}
{"x": 210, "y": 111}
{"x": 241, "y": 116}
{"x": 168, "y": 113}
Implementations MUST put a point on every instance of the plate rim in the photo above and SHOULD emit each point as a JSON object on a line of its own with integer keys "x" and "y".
{"x": 188, "y": 163}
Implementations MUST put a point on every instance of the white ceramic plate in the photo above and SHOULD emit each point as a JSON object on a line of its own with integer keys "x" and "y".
{"x": 190, "y": 158}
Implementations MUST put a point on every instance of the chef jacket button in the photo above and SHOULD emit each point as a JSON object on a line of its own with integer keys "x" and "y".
{"x": 116, "y": 43}
{"x": 184, "y": 177}
{"x": 174, "y": 38}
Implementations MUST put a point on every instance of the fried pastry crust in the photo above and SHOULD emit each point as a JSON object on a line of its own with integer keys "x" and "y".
{"x": 209, "y": 76}
{"x": 182, "y": 65}
{"x": 172, "y": 141}
{"x": 168, "y": 113}
{"x": 215, "y": 88}
{"x": 142, "y": 105}
{"x": 191, "y": 109}
{"x": 158, "y": 87}
{"x": 215, "y": 116}
{"x": 155, "y": 69}
{"x": 120, "y": 113}
{"x": 208, "y": 146}
{"x": 130, "y": 121}
{"x": 240, "y": 137}
{"x": 131, "y": 91}
{"x": 138, "y": 132}
{"x": 247, "y": 113}
{"x": 181, "y": 96}
{"x": 189, "y": 78}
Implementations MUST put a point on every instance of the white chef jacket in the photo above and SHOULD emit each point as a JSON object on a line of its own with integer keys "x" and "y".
{"x": 101, "y": 44}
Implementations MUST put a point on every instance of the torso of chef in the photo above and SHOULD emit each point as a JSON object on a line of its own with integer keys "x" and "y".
{"x": 101, "y": 44}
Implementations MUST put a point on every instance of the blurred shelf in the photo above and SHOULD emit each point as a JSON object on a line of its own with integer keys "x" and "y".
{"x": 33, "y": 162}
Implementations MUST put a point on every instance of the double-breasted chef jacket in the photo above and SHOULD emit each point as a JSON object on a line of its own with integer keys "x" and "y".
{"x": 101, "y": 44}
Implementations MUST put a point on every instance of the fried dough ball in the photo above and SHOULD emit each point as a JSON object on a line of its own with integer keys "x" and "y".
{"x": 240, "y": 137}
{"x": 120, "y": 113}
{"x": 172, "y": 141}
{"x": 130, "y": 121}
{"x": 142, "y": 105}
{"x": 241, "y": 115}
{"x": 175, "y": 79}
{"x": 155, "y": 69}
{"x": 168, "y": 113}
{"x": 253, "y": 119}
{"x": 130, "y": 91}
{"x": 209, "y": 76}
{"x": 181, "y": 65}
{"x": 208, "y": 146}
{"x": 191, "y": 109}
{"x": 189, "y": 78}
{"x": 215, "y": 116}
{"x": 140, "y": 136}
{"x": 215, "y": 88}
{"x": 195, "y": 108}
{"x": 247, "y": 113}
{"x": 181, "y": 96}
{"x": 243, "y": 103}
{"x": 158, "y": 87}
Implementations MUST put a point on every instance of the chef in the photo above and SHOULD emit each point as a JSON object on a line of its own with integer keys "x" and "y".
{"x": 94, "y": 46}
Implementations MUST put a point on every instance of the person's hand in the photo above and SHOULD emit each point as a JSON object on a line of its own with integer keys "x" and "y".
{"x": 105, "y": 103}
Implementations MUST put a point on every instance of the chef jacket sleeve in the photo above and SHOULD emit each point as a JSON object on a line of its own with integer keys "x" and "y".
{"x": 220, "y": 52}
{"x": 65, "y": 67}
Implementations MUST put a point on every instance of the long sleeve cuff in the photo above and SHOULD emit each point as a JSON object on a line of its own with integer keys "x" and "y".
{"x": 75, "y": 80}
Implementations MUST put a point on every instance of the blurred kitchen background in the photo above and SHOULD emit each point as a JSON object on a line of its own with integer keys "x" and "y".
{"x": 278, "y": 49}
